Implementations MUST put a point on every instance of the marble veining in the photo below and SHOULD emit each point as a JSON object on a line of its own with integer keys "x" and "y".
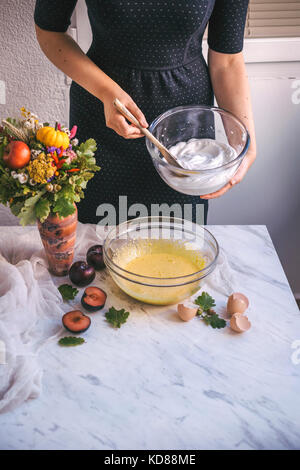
{"x": 159, "y": 383}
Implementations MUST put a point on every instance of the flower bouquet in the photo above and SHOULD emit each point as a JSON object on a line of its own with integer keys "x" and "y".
{"x": 43, "y": 173}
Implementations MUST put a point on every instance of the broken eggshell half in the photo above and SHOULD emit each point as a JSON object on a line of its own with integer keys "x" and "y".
{"x": 187, "y": 311}
{"x": 239, "y": 323}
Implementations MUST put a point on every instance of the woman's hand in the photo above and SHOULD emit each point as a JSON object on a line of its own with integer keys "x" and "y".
{"x": 65, "y": 53}
{"x": 116, "y": 121}
{"x": 237, "y": 178}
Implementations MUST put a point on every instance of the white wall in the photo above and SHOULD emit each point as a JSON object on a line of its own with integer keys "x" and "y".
{"x": 271, "y": 192}
{"x": 30, "y": 79}
{"x": 27, "y": 78}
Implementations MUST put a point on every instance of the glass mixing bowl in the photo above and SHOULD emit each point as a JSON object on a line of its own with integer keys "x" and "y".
{"x": 198, "y": 122}
{"x": 159, "y": 234}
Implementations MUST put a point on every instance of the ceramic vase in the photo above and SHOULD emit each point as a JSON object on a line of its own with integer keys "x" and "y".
{"x": 58, "y": 237}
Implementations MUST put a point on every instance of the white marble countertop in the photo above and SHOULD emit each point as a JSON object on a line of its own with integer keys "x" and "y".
{"x": 159, "y": 383}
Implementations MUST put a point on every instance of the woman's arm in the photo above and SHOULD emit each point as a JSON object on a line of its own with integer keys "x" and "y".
{"x": 231, "y": 88}
{"x": 65, "y": 53}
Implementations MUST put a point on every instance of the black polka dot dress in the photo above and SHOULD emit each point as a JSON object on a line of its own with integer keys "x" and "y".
{"x": 152, "y": 49}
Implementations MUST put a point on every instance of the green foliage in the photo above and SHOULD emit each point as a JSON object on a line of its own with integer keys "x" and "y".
{"x": 116, "y": 317}
{"x": 205, "y": 301}
{"x": 68, "y": 292}
{"x": 86, "y": 159}
{"x": 68, "y": 341}
{"x": 206, "y": 313}
{"x": 87, "y": 148}
{"x": 63, "y": 207}
{"x": 212, "y": 319}
{"x": 16, "y": 208}
{"x": 13, "y": 121}
{"x": 3, "y": 144}
{"x": 27, "y": 213}
{"x": 42, "y": 209}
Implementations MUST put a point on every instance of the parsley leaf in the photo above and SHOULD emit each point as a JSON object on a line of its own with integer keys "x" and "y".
{"x": 206, "y": 313}
{"x": 205, "y": 301}
{"x": 68, "y": 292}
{"x": 71, "y": 341}
{"x": 116, "y": 317}
{"x": 214, "y": 320}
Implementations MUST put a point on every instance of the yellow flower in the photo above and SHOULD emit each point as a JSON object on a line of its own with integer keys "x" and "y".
{"x": 41, "y": 169}
{"x": 23, "y": 111}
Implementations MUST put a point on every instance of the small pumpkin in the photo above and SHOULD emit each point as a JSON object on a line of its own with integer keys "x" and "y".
{"x": 53, "y": 138}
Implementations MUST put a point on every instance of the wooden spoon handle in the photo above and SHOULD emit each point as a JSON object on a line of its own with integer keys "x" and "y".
{"x": 127, "y": 114}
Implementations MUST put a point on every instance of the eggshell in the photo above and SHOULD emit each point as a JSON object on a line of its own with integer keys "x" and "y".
{"x": 237, "y": 302}
{"x": 239, "y": 323}
{"x": 186, "y": 313}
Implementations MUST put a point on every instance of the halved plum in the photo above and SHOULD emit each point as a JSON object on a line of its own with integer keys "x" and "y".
{"x": 76, "y": 321}
{"x": 93, "y": 299}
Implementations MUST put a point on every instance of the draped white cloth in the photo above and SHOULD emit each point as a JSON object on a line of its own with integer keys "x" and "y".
{"x": 31, "y": 308}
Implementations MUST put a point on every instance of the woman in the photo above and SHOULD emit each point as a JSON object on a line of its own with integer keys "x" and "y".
{"x": 149, "y": 56}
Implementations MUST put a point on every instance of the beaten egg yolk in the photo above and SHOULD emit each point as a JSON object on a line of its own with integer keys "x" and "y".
{"x": 161, "y": 265}
{"x": 159, "y": 259}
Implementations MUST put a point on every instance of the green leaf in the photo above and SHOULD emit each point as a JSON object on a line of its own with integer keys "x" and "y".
{"x": 88, "y": 148}
{"x": 71, "y": 341}
{"x": 206, "y": 313}
{"x": 16, "y": 208}
{"x": 214, "y": 321}
{"x": 63, "y": 207}
{"x": 13, "y": 121}
{"x": 205, "y": 301}
{"x": 85, "y": 155}
{"x": 42, "y": 209}
{"x": 68, "y": 292}
{"x": 2, "y": 147}
{"x": 67, "y": 192}
{"x": 116, "y": 317}
{"x": 27, "y": 213}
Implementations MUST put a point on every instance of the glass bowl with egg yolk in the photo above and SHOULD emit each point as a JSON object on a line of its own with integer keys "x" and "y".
{"x": 160, "y": 260}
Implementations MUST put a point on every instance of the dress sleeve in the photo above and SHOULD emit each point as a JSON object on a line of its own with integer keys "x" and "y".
{"x": 226, "y": 26}
{"x": 54, "y": 15}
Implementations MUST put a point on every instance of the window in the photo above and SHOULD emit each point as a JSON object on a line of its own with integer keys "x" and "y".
{"x": 272, "y": 31}
{"x": 269, "y": 18}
